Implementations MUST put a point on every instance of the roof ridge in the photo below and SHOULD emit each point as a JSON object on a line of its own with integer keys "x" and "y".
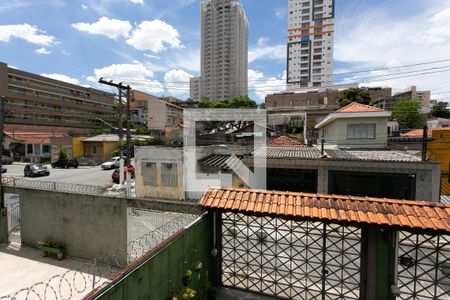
{"x": 359, "y": 107}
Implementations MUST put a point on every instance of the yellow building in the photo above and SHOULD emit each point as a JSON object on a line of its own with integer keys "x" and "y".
{"x": 439, "y": 150}
{"x": 99, "y": 148}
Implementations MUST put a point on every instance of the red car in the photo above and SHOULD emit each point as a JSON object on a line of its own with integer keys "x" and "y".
{"x": 127, "y": 171}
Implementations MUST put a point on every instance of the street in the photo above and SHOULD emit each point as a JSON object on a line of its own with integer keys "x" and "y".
{"x": 83, "y": 175}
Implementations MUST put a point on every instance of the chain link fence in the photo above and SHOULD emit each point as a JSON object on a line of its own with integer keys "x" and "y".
{"x": 52, "y": 186}
{"x": 74, "y": 283}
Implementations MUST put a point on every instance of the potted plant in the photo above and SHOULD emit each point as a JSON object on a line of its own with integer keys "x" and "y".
{"x": 49, "y": 246}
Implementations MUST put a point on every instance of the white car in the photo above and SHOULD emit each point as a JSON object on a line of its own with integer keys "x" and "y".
{"x": 112, "y": 163}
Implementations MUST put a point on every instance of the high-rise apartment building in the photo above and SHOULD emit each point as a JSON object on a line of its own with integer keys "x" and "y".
{"x": 310, "y": 43}
{"x": 224, "y": 50}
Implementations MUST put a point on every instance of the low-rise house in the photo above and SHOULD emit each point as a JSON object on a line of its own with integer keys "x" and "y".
{"x": 438, "y": 149}
{"x": 356, "y": 126}
{"x": 73, "y": 146}
{"x": 99, "y": 148}
{"x": 369, "y": 172}
{"x": 32, "y": 146}
{"x": 162, "y": 171}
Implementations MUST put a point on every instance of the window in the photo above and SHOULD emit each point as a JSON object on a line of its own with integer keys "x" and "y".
{"x": 45, "y": 148}
{"x": 360, "y": 131}
{"x": 169, "y": 175}
{"x": 94, "y": 149}
{"x": 149, "y": 173}
{"x": 29, "y": 149}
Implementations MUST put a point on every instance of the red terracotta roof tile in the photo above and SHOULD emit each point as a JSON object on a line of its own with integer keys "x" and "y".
{"x": 356, "y": 107}
{"x": 364, "y": 210}
{"x": 285, "y": 141}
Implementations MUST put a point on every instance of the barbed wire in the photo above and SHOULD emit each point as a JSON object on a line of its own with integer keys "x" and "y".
{"x": 90, "y": 275}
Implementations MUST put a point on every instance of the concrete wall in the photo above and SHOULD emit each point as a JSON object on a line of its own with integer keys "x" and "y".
{"x": 89, "y": 226}
{"x": 159, "y": 155}
{"x": 335, "y": 133}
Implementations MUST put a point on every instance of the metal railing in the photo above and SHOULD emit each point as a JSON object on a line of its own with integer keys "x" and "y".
{"x": 53, "y": 186}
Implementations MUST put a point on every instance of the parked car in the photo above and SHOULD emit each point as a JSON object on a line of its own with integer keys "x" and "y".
{"x": 32, "y": 170}
{"x": 65, "y": 163}
{"x": 6, "y": 160}
{"x": 127, "y": 171}
{"x": 112, "y": 163}
{"x": 4, "y": 170}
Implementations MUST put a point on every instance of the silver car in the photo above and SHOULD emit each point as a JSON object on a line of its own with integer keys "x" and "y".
{"x": 113, "y": 163}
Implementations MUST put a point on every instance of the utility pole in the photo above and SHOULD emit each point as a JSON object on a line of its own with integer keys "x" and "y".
{"x": 125, "y": 91}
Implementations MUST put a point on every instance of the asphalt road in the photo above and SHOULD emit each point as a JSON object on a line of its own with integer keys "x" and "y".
{"x": 83, "y": 175}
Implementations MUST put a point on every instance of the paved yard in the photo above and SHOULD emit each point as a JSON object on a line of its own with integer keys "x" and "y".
{"x": 23, "y": 267}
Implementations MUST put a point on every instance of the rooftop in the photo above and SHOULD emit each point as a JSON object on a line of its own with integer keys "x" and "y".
{"x": 356, "y": 107}
{"x": 321, "y": 207}
{"x": 37, "y": 138}
{"x": 354, "y": 110}
{"x": 285, "y": 141}
{"x": 418, "y": 133}
{"x": 276, "y": 152}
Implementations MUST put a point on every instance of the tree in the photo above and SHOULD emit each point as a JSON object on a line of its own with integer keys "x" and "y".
{"x": 350, "y": 95}
{"x": 441, "y": 110}
{"x": 236, "y": 102}
{"x": 62, "y": 153}
{"x": 407, "y": 113}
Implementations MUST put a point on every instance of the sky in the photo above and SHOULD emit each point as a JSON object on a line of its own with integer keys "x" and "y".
{"x": 154, "y": 45}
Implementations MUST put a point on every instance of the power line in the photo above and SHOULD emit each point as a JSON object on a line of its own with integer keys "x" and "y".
{"x": 264, "y": 88}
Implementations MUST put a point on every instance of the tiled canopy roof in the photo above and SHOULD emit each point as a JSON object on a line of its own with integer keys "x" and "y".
{"x": 317, "y": 207}
{"x": 356, "y": 107}
{"x": 38, "y": 138}
{"x": 285, "y": 141}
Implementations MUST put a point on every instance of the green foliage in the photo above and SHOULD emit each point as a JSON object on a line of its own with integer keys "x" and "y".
{"x": 236, "y": 102}
{"x": 100, "y": 131}
{"x": 441, "y": 110}
{"x": 140, "y": 129}
{"x": 62, "y": 153}
{"x": 155, "y": 141}
{"x": 115, "y": 152}
{"x": 350, "y": 95}
{"x": 407, "y": 113}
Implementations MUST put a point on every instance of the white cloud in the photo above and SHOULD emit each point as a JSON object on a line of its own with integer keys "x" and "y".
{"x": 262, "y": 85}
{"x": 62, "y": 77}
{"x": 43, "y": 51}
{"x": 280, "y": 13}
{"x": 266, "y": 52}
{"x": 137, "y": 1}
{"x": 27, "y": 32}
{"x": 84, "y": 6}
{"x": 185, "y": 59}
{"x": 112, "y": 28}
{"x": 377, "y": 38}
{"x": 177, "y": 82}
{"x": 136, "y": 75}
{"x": 154, "y": 36}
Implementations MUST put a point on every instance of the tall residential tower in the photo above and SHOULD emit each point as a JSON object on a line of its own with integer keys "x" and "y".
{"x": 224, "y": 50}
{"x": 310, "y": 43}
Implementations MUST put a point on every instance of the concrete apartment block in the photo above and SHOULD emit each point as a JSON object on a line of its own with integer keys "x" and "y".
{"x": 310, "y": 43}
{"x": 224, "y": 50}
